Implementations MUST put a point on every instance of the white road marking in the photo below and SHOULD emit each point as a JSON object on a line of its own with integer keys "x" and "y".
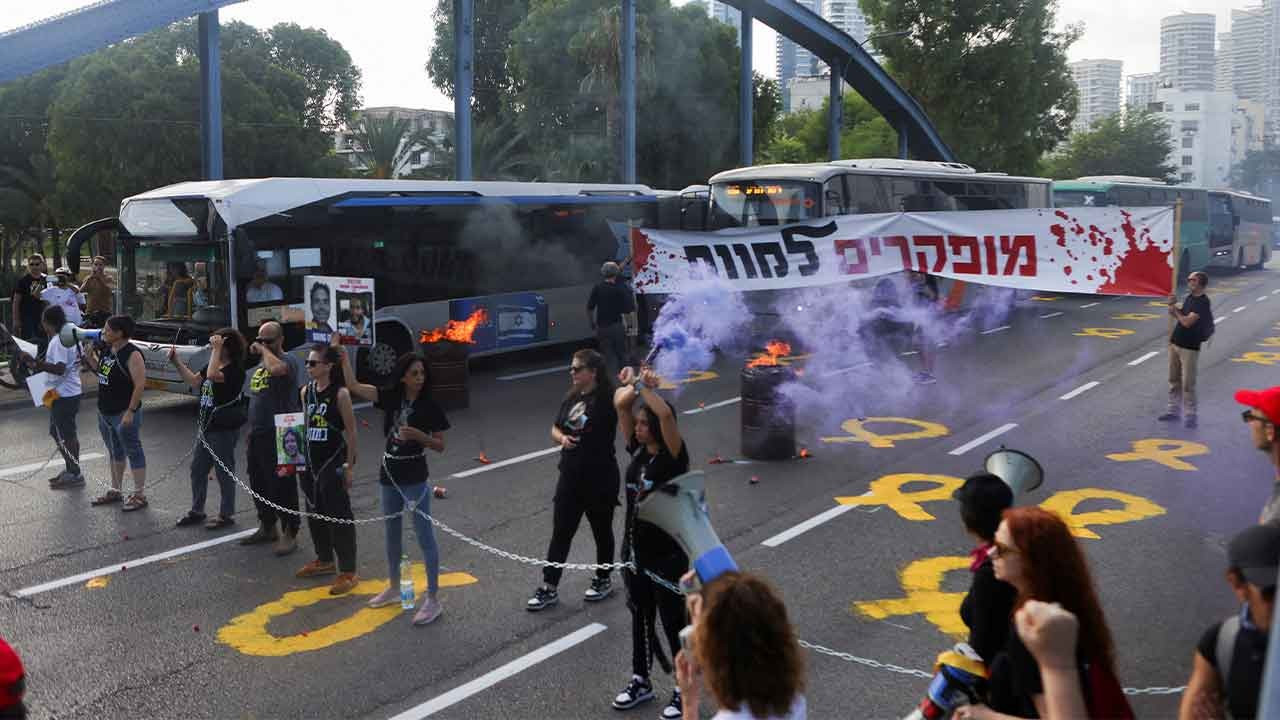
{"x": 112, "y": 569}
{"x": 713, "y": 406}
{"x": 996, "y": 330}
{"x": 1239, "y": 309}
{"x": 1086, "y": 307}
{"x": 31, "y": 467}
{"x": 980, "y": 440}
{"x": 942, "y": 345}
{"x": 841, "y": 371}
{"x": 504, "y": 463}
{"x": 1080, "y": 390}
{"x": 1050, "y": 315}
{"x": 497, "y": 675}
{"x": 807, "y": 525}
{"x": 533, "y": 373}
{"x": 1144, "y": 358}
{"x": 1276, "y": 291}
{"x": 1219, "y": 321}
{"x": 1264, "y": 297}
{"x": 909, "y": 353}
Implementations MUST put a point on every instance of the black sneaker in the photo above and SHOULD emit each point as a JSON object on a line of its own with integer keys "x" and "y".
{"x": 1169, "y": 417}
{"x": 637, "y": 691}
{"x": 674, "y": 709}
{"x": 67, "y": 480}
{"x": 191, "y": 518}
{"x": 1191, "y": 421}
{"x": 544, "y": 597}
{"x": 600, "y": 589}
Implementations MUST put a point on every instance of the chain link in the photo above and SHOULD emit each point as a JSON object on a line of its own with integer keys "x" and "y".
{"x": 1155, "y": 690}
{"x": 866, "y": 661}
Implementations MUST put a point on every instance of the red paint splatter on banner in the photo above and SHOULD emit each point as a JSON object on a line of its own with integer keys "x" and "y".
{"x": 1062, "y": 214}
{"x": 1143, "y": 271}
{"x": 641, "y": 251}
{"x": 1066, "y": 269}
{"x": 1060, "y": 233}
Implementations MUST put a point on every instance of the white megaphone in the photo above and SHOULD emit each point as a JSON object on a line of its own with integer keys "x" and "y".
{"x": 1017, "y": 469}
{"x": 70, "y": 335}
{"x": 679, "y": 508}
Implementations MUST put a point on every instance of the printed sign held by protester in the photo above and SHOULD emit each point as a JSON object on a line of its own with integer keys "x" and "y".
{"x": 342, "y": 305}
{"x": 290, "y": 446}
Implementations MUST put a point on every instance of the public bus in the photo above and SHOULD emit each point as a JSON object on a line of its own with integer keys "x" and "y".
{"x": 790, "y": 193}
{"x": 1249, "y": 228}
{"x": 1205, "y": 237}
{"x": 529, "y": 252}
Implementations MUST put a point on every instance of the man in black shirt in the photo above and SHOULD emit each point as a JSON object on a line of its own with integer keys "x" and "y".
{"x": 1229, "y": 659}
{"x": 609, "y": 301}
{"x": 1193, "y": 325}
{"x": 27, "y": 305}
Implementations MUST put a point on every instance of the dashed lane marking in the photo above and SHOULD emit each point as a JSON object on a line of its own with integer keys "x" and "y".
{"x": 534, "y": 373}
{"x": 996, "y": 330}
{"x": 1239, "y": 309}
{"x": 713, "y": 406}
{"x": 1080, "y": 390}
{"x": 1050, "y": 315}
{"x": 112, "y": 569}
{"x": 493, "y": 677}
{"x": 504, "y": 463}
{"x": 983, "y": 438}
{"x": 1144, "y": 358}
{"x": 1264, "y": 297}
{"x": 1089, "y": 305}
{"x": 31, "y": 467}
{"x": 1219, "y": 321}
{"x": 807, "y": 525}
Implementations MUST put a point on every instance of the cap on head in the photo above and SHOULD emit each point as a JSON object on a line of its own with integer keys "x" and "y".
{"x": 1266, "y": 401}
{"x": 1255, "y": 552}
{"x": 610, "y": 269}
{"x": 63, "y": 270}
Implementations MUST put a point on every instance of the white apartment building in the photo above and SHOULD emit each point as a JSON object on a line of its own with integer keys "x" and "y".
{"x": 1224, "y": 76}
{"x": 1141, "y": 90}
{"x": 723, "y": 12}
{"x": 810, "y": 92}
{"x": 435, "y": 122}
{"x": 846, "y": 15}
{"x": 1098, "y": 85}
{"x": 1271, "y": 67}
{"x": 1187, "y": 51}
{"x": 1202, "y": 127}
{"x": 1247, "y": 54}
{"x": 1248, "y": 129}
{"x": 792, "y": 60}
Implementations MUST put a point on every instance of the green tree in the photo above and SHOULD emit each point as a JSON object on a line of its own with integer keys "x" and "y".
{"x": 992, "y": 74}
{"x": 385, "y": 144}
{"x": 1259, "y": 173}
{"x": 495, "y": 82}
{"x": 766, "y": 98}
{"x": 598, "y": 46}
{"x": 27, "y": 195}
{"x": 1137, "y": 144}
{"x": 801, "y": 136}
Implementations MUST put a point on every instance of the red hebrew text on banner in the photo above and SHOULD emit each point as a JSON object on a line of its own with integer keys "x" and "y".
{"x": 1109, "y": 251}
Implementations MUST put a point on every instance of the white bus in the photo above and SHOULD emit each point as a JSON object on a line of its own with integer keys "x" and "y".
{"x": 529, "y": 252}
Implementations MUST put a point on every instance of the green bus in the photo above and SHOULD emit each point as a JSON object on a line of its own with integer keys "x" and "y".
{"x": 1206, "y": 230}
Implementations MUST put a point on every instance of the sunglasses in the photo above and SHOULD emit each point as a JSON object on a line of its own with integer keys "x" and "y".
{"x": 998, "y": 548}
{"x": 577, "y": 368}
{"x": 1248, "y": 417}
{"x": 313, "y": 363}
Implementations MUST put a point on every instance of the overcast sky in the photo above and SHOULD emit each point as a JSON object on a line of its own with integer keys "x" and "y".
{"x": 390, "y": 39}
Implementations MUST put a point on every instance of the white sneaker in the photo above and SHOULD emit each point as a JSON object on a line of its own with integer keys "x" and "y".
{"x": 430, "y": 610}
{"x": 390, "y": 596}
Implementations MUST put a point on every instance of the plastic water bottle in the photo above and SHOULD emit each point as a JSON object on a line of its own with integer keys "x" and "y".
{"x": 406, "y": 583}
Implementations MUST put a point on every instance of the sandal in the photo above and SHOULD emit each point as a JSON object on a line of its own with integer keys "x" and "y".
{"x": 219, "y": 522}
{"x": 136, "y": 501}
{"x": 107, "y": 498}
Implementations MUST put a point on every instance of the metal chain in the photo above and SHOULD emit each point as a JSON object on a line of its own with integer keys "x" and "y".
{"x": 1155, "y": 690}
{"x": 866, "y": 661}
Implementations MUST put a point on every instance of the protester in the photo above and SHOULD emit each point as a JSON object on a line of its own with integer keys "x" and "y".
{"x": 925, "y": 287}
{"x": 62, "y": 364}
{"x": 988, "y": 605}
{"x": 1049, "y": 632}
{"x": 1228, "y": 663}
{"x": 64, "y": 295}
{"x": 1194, "y": 325}
{"x": 261, "y": 289}
{"x": 1035, "y": 553}
{"x": 26, "y": 300}
{"x": 273, "y": 389}
{"x": 658, "y": 455}
{"x": 1262, "y": 418}
{"x": 331, "y": 464}
{"x": 412, "y": 424}
{"x": 221, "y": 415}
{"x": 746, "y": 651}
{"x": 98, "y": 294}
{"x": 584, "y": 429}
{"x": 610, "y": 299}
{"x": 121, "y": 378}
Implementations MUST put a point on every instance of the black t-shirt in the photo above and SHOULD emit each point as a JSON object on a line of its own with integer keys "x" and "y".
{"x": 115, "y": 384}
{"x": 610, "y": 300}
{"x": 406, "y": 460}
{"x": 324, "y": 426}
{"x": 646, "y": 473}
{"x": 29, "y": 304}
{"x": 986, "y": 610}
{"x": 1246, "y": 667}
{"x": 1191, "y": 337}
{"x": 590, "y": 469}
{"x": 1015, "y": 678}
{"x": 216, "y": 394}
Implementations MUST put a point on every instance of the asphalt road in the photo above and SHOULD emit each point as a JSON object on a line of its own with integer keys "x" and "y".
{"x": 227, "y": 631}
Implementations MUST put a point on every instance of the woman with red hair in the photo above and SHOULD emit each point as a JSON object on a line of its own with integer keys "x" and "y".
{"x": 1035, "y": 553}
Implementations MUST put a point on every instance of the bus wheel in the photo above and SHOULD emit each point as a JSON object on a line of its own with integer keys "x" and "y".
{"x": 376, "y": 364}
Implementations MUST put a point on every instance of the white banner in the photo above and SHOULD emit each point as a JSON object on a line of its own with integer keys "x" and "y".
{"x": 1107, "y": 251}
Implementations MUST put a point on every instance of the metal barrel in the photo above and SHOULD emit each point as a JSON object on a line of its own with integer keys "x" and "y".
{"x": 449, "y": 373}
{"x": 768, "y": 417}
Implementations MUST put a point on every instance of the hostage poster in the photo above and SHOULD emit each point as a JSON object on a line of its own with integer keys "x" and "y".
{"x": 342, "y": 305}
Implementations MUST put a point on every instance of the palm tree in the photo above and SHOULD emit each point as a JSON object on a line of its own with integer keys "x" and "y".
{"x": 498, "y": 152}
{"x": 27, "y": 201}
{"x": 385, "y": 144}
{"x": 599, "y": 45}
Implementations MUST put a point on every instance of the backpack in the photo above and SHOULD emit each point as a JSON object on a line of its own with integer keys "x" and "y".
{"x": 1207, "y": 326}
{"x": 1104, "y": 698}
{"x": 1225, "y": 650}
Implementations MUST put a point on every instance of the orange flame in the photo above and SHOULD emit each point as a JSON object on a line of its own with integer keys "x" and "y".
{"x": 459, "y": 331}
{"x": 773, "y": 350}
{"x": 804, "y": 452}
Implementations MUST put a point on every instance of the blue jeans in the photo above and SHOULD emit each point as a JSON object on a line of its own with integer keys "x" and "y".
{"x": 223, "y": 443}
{"x": 392, "y": 502}
{"x": 122, "y": 441}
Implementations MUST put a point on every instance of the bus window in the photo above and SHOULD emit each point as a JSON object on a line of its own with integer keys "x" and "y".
{"x": 833, "y": 195}
{"x": 767, "y": 202}
{"x": 867, "y": 194}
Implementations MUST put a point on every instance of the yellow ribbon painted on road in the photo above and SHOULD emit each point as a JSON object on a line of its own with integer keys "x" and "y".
{"x": 1108, "y": 333}
{"x": 1167, "y": 452}
{"x": 858, "y": 432}
{"x": 922, "y": 581}
{"x": 888, "y": 491}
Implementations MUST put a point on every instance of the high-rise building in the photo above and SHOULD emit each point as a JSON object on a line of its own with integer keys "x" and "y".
{"x": 723, "y": 12}
{"x": 1224, "y": 75}
{"x": 1098, "y": 86}
{"x": 847, "y": 16}
{"x": 1203, "y": 126}
{"x": 792, "y": 60}
{"x": 1186, "y": 51}
{"x": 1271, "y": 67}
{"x": 1248, "y": 53}
{"x": 1141, "y": 90}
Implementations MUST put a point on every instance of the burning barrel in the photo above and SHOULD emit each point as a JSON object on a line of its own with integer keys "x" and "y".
{"x": 446, "y": 352}
{"x": 768, "y": 417}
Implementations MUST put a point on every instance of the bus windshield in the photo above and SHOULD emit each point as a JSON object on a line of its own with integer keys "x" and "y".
{"x": 176, "y": 283}
{"x": 764, "y": 202}
{"x": 1079, "y": 198}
